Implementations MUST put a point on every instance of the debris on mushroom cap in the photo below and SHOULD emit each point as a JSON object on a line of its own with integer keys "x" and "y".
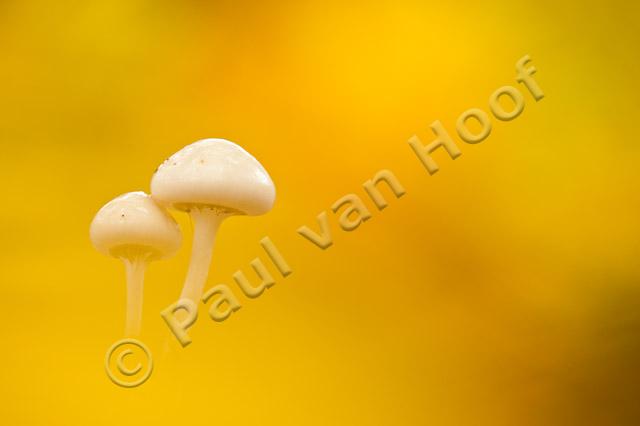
{"x": 214, "y": 172}
{"x": 135, "y": 220}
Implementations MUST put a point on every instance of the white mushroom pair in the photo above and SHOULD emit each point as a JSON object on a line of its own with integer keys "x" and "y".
{"x": 211, "y": 179}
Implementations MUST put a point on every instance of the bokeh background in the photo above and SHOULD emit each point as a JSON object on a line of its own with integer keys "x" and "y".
{"x": 503, "y": 290}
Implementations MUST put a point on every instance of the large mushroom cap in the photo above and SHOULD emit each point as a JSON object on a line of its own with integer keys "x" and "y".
{"x": 214, "y": 172}
{"x": 134, "y": 221}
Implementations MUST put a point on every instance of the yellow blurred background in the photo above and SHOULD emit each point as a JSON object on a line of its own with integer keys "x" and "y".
{"x": 504, "y": 290}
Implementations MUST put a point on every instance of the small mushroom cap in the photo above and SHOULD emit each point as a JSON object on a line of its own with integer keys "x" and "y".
{"x": 214, "y": 172}
{"x": 133, "y": 221}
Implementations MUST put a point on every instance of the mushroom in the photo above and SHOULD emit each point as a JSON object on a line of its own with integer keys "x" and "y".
{"x": 136, "y": 230}
{"x": 211, "y": 179}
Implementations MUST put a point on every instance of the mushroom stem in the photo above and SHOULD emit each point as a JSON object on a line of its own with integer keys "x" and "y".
{"x": 135, "y": 283}
{"x": 206, "y": 221}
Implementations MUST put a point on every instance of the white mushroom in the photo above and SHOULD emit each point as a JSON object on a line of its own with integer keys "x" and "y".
{"x": 211, "y": 179}
{"x": 136, "y": 230}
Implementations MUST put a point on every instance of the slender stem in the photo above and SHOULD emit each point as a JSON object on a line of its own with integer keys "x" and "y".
{"x": 135, "y": 267}
{"x": 206, "y": 222}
